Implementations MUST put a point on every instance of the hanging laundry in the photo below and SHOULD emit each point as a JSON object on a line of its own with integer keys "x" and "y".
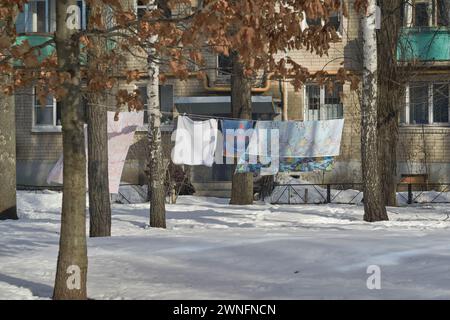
{"x": 306, "y": 164}
{"x": 195, "y": 142}
{"x": 120, "y": 138}
{"x": 289, "y": 165}
{"x": 294, "y": 146}
{"x": 236, "y": 136}
{"x": 311, "y": 139}
{"x": 297, "y": 139}
{"x": 56, "y": 173}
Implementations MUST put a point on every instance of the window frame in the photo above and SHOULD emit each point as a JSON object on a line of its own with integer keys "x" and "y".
{"x": 220, "y": 75}
{"x": 164, "y": 127}
{"x": 322, "y": 104}
{"x": 408, "y": 109}
{"x": 409, "y": 11}
{"x": 140, "y": 7}
{"x": 44, "y": 127}
{"x": 50, "y": 17}
{"x": 340, "y": 31}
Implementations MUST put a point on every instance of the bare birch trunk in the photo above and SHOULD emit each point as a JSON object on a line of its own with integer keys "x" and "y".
{"x": 374, "y": 209}
{"x": 241, "y": 106}
{"x": 156, "y": 164}
{"x": 71, "y": 273}
{"x": 8, "y": 209}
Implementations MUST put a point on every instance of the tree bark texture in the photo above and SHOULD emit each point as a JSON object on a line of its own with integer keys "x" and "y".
{"x": 71, "y": 273}
{"x": 8, "y": 209}
{"x": 391, "y": 84}
{"x": 241, "y": 106}
{"x": 97, "y": 120}
{"x": 99, "y": 200}
{"x": 156, "y": 162}
{"x": 374, "y": 209}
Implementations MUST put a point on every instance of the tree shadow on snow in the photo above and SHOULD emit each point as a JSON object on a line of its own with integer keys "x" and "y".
{"x": 37, "y": 289}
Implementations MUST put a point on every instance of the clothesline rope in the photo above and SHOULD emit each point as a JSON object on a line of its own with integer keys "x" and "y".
{"x": 204, "y": 116}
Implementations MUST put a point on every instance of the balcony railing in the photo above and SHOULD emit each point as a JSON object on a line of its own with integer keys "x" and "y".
{"x": 38, "y": 39}
{"x": 424, "y": 44}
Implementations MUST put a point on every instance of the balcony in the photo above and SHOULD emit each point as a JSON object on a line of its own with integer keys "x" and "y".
{"x": 37, "y": 39}
{"x": 424, "y": 44}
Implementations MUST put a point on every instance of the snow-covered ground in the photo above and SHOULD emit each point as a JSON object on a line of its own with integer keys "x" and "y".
{"x": 212, "y": 250}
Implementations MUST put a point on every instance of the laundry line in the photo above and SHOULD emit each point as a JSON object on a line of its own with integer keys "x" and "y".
{"x": 204, "y": 116}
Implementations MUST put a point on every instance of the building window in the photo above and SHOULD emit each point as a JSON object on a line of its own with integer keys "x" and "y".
{"x": 427, "y": 103}
{"x": 141, "y": 8}
{"x": 443, "y": 12}
{"x": 323, "y": 103}
{"x": 82, "y": 18}
{"x": 427, "y": 13}
{"x": 40, "y": 16}
{"x": 440, "y": 103}
{"x": 36, "y": 17}
{"x": 143, "y": 95}
{"x": 165, "y": 102}
{"x": 224, "y": 67}
{"x": 48, "y": 115}
{"x": 422, "y": 14}
{"x": 334, "y": 20}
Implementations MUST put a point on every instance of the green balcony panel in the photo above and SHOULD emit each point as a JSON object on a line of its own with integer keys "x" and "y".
{"x": 45, "y": 52}
{"x": 37, "y": 40}
{"x": 424, "y": 44}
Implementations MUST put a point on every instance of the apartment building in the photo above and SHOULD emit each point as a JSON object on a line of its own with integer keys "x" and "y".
{"x": 423, "y": 150}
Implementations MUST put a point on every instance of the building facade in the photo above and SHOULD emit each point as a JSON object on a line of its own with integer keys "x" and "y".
{"x": 424, "y": 147}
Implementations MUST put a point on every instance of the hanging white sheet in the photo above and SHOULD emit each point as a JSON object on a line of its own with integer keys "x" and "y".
{"x": 195, "y": 142}
{"x": 120, "y": 138}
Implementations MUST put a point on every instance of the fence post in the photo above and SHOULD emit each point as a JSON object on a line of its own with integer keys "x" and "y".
{"x": 328, "y": 193}
{"x": 410, "y": 194}
{"x": 289, "y": 194}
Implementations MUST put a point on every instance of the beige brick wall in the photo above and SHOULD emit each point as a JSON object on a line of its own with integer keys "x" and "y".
{"x": 417, "y": 145}
{"x": 33, "y": 145}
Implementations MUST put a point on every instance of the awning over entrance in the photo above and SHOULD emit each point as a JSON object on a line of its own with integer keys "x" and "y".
{"x": 220, "y": 104}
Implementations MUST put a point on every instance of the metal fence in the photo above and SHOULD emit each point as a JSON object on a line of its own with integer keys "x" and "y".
{"x": 337, "y": 193}
{"x": 351, "y": 193}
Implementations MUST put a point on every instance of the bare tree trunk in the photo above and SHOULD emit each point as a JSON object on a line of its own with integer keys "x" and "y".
{"x": 8, "y": 209}
{"x": 70, "y": 282}
{"x": 99, "y": 201}
{"x": 390, "y": 95}
{"x": 97, "y": 119}
{"x": 374, "y": 209}
{"x": 241, "y": 106}
{"x": 156, "y": 164}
